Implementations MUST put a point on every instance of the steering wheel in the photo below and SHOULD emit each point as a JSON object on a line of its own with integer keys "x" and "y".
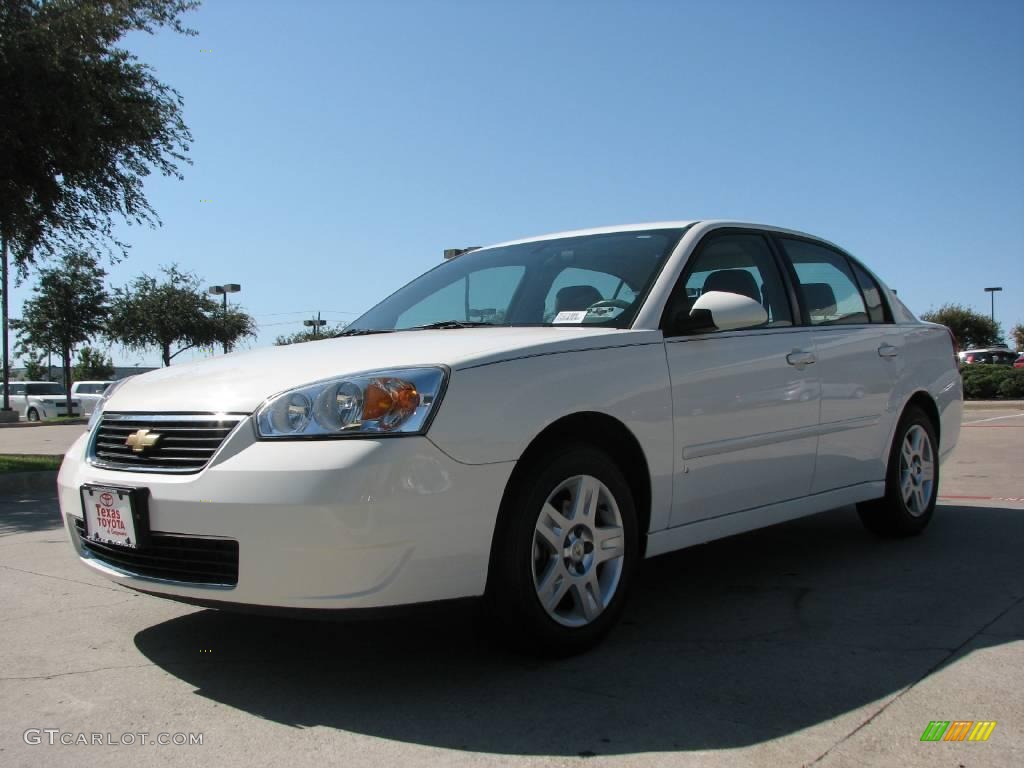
{"x": 610, "y": 303}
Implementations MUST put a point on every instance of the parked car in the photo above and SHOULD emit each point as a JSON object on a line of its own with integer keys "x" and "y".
{"x": 694, "y": 380}
{"x": 89, "y": 393}
{"x": 990, "y": 355}
{"x": 36, "y": 400}
{"x": 1019, "y": 362}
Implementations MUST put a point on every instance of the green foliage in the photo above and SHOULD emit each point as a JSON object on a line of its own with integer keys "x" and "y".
{"x": 84, "y": 121}
{"x": 972, "y": 329}
{"x": 307, "y": 335}
{"x": 17, "y": 462}
{"x": 1017, "y": 333}
{"x": 987, "y": 382}
{"x": 174, "y": 311}
{"x": 93, "y": 365}
{"x": 68, "y": 307}
{"x": 1012, "y": 386}
{"x": 35, "y": 368}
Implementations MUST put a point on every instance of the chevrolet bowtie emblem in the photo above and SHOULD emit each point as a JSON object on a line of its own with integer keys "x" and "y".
{"x": 141, "y": 440}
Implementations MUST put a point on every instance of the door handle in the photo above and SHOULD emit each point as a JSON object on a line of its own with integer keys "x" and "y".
{"x": 888, "y": 350}
{"x": 800, "y": 358}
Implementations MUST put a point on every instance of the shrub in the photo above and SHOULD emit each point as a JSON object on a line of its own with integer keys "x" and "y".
{"x": 1013, "y": 385}
{"x": 984, "y": 382}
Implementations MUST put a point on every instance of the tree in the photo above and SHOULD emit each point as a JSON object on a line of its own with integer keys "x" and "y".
{"x": 93, "y": 364}
{"x": 84, "y": 122}
{"x": 972, "y": 329}
{"x": 174, "y": 312}
{"x": 35, "y": 368}
{"x": 69, "y": 307}
{"x": 1017, "y": 332}
{"x": 301, "y": 336}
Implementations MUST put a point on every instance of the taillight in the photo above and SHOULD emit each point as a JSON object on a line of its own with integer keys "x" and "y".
{"x": 956, "y": 349}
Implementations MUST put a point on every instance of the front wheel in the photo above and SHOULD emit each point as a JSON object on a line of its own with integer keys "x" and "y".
{"x": 564, "y": 553}
{"x": 912, "y": 480}
{"x": 32, "y": 415}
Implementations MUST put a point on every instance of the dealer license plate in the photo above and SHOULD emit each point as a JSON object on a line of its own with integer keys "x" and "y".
{"x": 108, "y": 516}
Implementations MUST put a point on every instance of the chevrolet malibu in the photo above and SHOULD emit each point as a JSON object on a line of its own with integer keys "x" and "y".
{"x": 525, "y": 423}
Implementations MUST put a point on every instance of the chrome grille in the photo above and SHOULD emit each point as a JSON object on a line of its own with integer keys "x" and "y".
{"x": 185, "y": 442}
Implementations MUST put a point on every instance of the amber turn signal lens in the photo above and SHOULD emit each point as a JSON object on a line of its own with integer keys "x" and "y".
{"x": 376, "y": 401}
{"x": 389, "y": 401}
{"x": 406, "y": 398}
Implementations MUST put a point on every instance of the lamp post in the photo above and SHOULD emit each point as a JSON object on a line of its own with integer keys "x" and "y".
{"x": 992, "y": 292}
{"x": 315, "y": 325}
{"x": 224, "y": 290}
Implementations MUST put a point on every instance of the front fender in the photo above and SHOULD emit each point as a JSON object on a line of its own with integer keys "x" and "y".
{"x": 492, "y": 412}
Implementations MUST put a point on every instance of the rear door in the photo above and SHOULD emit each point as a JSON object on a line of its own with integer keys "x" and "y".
{"x": 860, "y": 360}
{"x": 18, "y": 399}
{"x": 745, "y": 402}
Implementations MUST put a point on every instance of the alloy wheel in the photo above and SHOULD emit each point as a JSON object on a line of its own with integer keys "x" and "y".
{"x": 917, "y": 470}
{"x": 578, "y": 550}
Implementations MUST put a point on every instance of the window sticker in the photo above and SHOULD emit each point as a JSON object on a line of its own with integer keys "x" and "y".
{"x": 570, "y": 317}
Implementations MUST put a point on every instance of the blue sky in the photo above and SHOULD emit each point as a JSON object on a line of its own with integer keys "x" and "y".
{"x": 345, "y": 145}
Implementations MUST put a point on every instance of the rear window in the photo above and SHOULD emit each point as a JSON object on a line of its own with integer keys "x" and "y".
{"x": 877, "y": 311}
{"x": 830, "y": 292}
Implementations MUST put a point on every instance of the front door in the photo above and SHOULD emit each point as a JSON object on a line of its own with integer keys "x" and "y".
{"x": 745, "y": 401}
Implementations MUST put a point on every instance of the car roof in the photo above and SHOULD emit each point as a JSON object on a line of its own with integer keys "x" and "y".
{"x": 680, "y": 224}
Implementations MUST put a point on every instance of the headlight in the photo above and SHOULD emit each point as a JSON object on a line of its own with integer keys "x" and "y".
{"x": 98, "y": 410}
{"x": 392, "y": 402}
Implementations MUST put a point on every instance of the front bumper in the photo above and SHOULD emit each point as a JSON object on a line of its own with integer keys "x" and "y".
{"x": 328, "y": 524}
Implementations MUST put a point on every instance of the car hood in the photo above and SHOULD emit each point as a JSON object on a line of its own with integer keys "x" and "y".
{"x": 239, "y": 382}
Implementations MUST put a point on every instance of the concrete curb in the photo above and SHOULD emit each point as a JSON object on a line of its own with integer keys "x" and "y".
{"x": 43, "y": 480}
{"x": 979, "y": 405}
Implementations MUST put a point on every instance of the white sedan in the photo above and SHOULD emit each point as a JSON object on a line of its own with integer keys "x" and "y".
{"x": 525, "y": 423}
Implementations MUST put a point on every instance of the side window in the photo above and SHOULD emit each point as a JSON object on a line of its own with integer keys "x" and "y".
{"x": 575, "y": 289}
{"x": 17, "y": 389}
{"x": 733, "y": 263}
{"x": 872, "y": 294}
{"x": 829, "y": 289}
{"x": 480, "y": 297}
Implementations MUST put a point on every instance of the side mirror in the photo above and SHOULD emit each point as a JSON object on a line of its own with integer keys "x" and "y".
{"x": 729, "y": 311}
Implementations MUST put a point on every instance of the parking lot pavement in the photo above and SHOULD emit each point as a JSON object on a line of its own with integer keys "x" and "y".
{"x": 48, "y": 439}
{"x": 809, "y": 643}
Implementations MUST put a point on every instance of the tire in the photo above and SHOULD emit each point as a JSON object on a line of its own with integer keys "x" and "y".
{"x": 911, "y": 481}
{"x": 32, "y": 415}
{"x": 579, "y": 559}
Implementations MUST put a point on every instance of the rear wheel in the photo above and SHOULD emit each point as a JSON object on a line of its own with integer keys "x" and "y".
{"x": 32, "y": 415}
{"x": 564, "y": 553}
{"x": 912, "y": 480}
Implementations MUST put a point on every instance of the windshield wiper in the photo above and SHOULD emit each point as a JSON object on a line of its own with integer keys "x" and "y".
{"x": 450, "y": 324}
{"x": 363, "y": 331}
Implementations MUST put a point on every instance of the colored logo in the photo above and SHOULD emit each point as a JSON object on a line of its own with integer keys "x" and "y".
{"x": 141, "y": 440}
{"x": 958, "y": 730}
{"x": 106, "y": 500}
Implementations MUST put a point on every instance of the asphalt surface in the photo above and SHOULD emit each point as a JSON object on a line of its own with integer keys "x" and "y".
{"x": 809, "y": 643}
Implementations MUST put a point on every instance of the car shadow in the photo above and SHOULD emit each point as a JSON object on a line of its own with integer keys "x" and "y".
{"x": 724, "y": 645}
{"x": 28, "y": 512}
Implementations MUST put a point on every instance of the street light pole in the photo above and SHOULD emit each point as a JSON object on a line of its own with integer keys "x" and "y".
{"x": 224, "y": 290}
{"x": 4, "y": 286}
{"x": 992, "y": 292}
{"x": 315, "y": 324}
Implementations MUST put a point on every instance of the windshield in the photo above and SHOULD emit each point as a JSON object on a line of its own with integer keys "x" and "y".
{"x": 592, "y": 280}
{"x": 44, "y": 389}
